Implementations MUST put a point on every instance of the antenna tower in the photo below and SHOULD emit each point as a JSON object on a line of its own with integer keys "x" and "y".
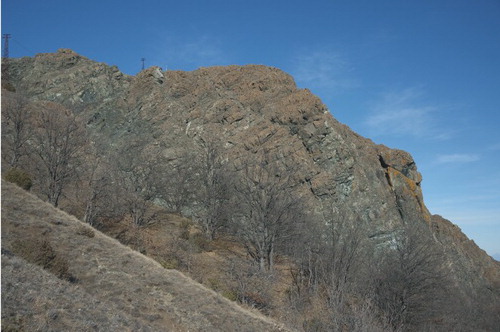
{"x": 143, "y": 60}
{"x": 5, "y": 73}
{"x": 6, "y": 37}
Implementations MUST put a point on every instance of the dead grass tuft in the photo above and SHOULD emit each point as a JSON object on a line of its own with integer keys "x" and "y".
{"x": 85, "y": 231}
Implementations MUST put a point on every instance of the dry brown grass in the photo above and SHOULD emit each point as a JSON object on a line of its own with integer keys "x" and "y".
{"x": 222, "y": 265}
{"x": 116, "y": 287}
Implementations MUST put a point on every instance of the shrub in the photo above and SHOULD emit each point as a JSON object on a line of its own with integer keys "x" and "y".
{"x": 8, "y": 86}
{"x": 185, "y": 226}
{"x": 214, "y": 283}
{"x": 199, "y": 242}
{"x": 254, "y": 300}
{"x": 40, "y": 252}
{"x": 231, "y": 295}
{"x": 170, "y": 263}
{"x": 314, "y": 324}
{"x": 19, "y": 177}
{"x": 85, "y": 231}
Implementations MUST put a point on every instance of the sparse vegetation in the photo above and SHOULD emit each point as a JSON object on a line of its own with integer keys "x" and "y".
{"x": 113, "y": 281}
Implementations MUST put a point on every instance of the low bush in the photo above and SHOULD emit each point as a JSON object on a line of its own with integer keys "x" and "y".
{"x": 230, "y": 295}
{"x": 8, "y": 86}
{"x": 170, "y": 263}
{"x": 185, "y": 232}
{"x": 85, "y": 231}
{"x": 214, "y": 283}
{"x": 254, "y": 300}
{"x": 40, "y": 252}
{"x": 200, "y": 242}
{"x": 19, "y": 177}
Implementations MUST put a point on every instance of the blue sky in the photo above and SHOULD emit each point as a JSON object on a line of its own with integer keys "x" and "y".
{"x": 423, "y": 76}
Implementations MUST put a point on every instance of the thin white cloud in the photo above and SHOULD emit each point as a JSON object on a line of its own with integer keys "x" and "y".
{"x": 325, "y": 71}
{"x": 481, "y": 226}
{"x": 204, "y": 51}
{"x": 187, "y": 54}
{"x": 463, "y": 217}
{"x": 477, "y": 214}
{"x": 403, "y": 113}
{"x": 494, "y": 147}
{"x": 401, "y": 121}
{"x": 457, "y": 158}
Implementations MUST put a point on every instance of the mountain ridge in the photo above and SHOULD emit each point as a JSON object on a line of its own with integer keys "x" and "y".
{"x": 253, "y": 110}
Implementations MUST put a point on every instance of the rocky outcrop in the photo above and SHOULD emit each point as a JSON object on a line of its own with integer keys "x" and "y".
{"x": 250, "y": 109}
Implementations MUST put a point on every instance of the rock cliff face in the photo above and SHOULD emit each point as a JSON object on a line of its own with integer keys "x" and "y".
{"x": 250, "y": 109}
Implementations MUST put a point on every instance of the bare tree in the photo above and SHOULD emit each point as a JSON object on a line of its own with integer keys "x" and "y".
{"x": 341, "y": 273}
{"x": 343, "y": 255}
{"x": 213, "y": 194}
{"x": 56, "y": 146}
{"x": 135, "y": 186}
{"x": 267, "y": 209}
{"x": 178, "y": 179}
{"x": 330, "y": 269}
{"x": 410, "y": 284}
{"x": 97, "y": 185}
{"x": 332, "y": 252}
{"x": 16, "y": 129}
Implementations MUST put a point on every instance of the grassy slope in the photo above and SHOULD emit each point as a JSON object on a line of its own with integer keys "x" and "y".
{"x": 116, "y": 288}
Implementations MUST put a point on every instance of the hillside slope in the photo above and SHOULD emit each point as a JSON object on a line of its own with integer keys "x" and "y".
{"x": 112, "y": 288}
